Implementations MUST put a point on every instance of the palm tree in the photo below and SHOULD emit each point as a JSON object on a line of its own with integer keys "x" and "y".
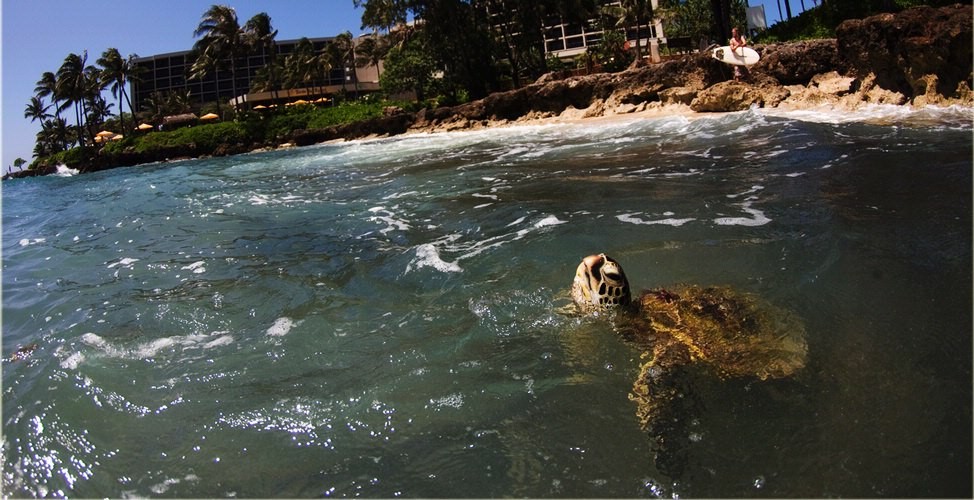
{"x": 98, "y": 111}
{"x": 721, "y": 10}
{"x": 36, "y": 110}
{"x": 371, "y": 51}
{"x": 382, "y": 14}
{"x": 636, "y": 13}
{"x": 260, "y": 36}
{"x": 47, "y": 87}
{"x": 343, "y": 55}
{"x": 220, "y": 40}
{"x": 115, "y": 73}
{"x": 204, "y": 65}
{"x": 73, "y": 88}
{"x": 305, "y": 67}
{"x": 95, "y": 107}
{"x": 52, "y": 138}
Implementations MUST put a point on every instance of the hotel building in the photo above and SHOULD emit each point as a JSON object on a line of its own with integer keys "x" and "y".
{"x": 169, "y": 72}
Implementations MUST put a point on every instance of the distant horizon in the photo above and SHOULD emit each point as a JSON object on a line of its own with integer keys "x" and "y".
{"x": 62, "y": 27}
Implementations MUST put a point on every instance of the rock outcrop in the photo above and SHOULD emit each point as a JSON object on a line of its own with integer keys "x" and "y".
{"x": 918, "y": 52}
{"x": 919, "y": 56}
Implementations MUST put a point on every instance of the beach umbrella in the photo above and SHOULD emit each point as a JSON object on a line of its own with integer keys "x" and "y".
{"x": 104, "y": 133}
{"x": 210, "y": 116}
{"x": 145, "y": 126}
{"x": 116, "y": 137}
{"x": 260, "y": 106}
{"x": 300, "y": 101}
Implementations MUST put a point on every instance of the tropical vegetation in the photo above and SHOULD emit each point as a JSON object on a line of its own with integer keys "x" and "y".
{"x": 439, "y": 51}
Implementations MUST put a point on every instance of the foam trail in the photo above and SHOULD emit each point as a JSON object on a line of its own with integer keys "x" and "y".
{"x": 428, "y": 256}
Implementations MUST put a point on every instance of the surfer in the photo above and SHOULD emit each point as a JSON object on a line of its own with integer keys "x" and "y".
{"x": 737, "y": 41}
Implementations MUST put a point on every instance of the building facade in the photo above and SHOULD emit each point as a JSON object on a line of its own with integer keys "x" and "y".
{"x": 170, "y": 72}
{"x": 567, "y": 39}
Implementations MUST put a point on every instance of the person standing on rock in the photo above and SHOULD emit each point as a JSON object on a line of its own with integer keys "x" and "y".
{"x": 737, "y": 41}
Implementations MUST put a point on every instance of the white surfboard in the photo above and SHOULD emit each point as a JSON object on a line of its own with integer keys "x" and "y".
{"x": 743, "y": 56}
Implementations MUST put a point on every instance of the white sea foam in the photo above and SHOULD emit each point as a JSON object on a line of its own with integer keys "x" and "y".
{"x": 757, "y": 217}
{"x": 151, "y": 348}
{"x": 881, "y": 114}
{"x": 550, "y": 220}
{"x": 669, "y": 221}
{"x": 258, "y": 199}
{"x": 394, "y": 196}
{"x": 388, "y": 217}
{"x": 428, "y": 256}
{"x": 73, "y": 361}
{"x": 125, "y": 262}
{"x": 754, "y": 189}
{"x": 27, "y": 241}
{"x": 196, "y": 267}
{"x": 162, "y": 487}
{"x": 94, "y": 340}
{"x": 64, "y": 171}
{"x": 281, "y": 327}
{"x": 454, "y": 400}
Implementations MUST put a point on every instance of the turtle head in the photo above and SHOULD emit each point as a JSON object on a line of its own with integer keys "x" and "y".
{"x": 600, "y": 283}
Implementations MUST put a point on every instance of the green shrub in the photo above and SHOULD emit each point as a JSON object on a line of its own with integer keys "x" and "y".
{"x": 345, "y": 113}
{"x": 283, "y": 123}
{"x": 208, "y": 137}
{"x": 249, "y": 128}
{"x": 204, "y": 138}
{"x": 71, "y": 158}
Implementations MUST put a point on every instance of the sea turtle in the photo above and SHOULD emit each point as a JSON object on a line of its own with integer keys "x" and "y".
{"x": 729, "y": 334}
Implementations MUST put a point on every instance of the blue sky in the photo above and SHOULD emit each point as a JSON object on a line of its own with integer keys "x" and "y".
{"x": 37, "y": 35}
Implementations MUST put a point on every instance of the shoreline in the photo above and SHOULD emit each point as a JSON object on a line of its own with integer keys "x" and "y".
{"x": 571, "y": 116}
{"x": 575, "y": 116}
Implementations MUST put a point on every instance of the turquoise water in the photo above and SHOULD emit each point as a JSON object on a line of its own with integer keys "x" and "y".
{"x": 381, "y": 318}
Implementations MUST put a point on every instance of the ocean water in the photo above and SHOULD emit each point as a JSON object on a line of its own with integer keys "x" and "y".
{"x": 387, "y": 317}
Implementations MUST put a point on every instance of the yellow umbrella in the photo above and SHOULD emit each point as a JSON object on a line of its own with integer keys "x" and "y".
{"x": 116, "y": 137}
{"x": 300, "y": 101}
{"x": 260, "y": 106}
{"x": 210, "y": 116}
{"x": 104, "y": 133}
{"x": 145, "y": 126}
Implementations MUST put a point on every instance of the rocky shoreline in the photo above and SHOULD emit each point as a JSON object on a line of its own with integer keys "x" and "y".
{"x": 919, "y": 57}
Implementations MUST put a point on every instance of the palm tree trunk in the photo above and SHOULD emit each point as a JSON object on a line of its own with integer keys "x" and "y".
{"x": 121, "y": 109}
{"x": 128, "y": 100}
